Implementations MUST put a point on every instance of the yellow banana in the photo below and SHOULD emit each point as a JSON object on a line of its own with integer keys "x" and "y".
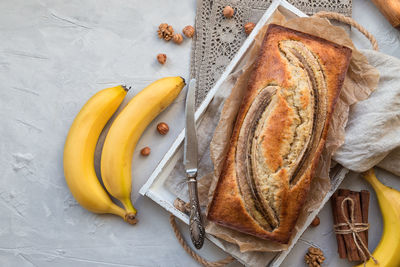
{"x": 387, "y": 253}
{"x": 125, "y": 132}
{"x": 79, "y": 153}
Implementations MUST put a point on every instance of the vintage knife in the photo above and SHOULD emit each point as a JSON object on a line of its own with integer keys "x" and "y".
{"x": 190, "y": 161}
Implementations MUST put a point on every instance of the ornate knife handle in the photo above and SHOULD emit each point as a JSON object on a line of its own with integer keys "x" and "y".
{"x": 197, "y": 231}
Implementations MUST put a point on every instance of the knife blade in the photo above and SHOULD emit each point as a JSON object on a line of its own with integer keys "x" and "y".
{"x": 190, "y": 144}
{"x": 190, "y": 160}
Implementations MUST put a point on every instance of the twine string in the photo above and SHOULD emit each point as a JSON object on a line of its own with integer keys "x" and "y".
{"x": 354, "y": 229}
{"x": 351, "y": 22}
{"x": 193, "y": 254}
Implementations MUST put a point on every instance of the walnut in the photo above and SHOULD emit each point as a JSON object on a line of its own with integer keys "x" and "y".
{"x": 162, "y": 128}
{"x": 177, "y": 38}
{"x": 248, "y": 27}
{"x": 228, "y": 12}
{"x": 315, "y": 222}
{"x": 145, "y": 151}
{"x": 314, "y": 257}
{"x": 188, "y": 31}
{"x": 162, "y": 58}
{"x": 165, "y": 31}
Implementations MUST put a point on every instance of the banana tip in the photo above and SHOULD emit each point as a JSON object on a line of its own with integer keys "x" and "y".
{"x": 126, "y": 88}
{"x": 131, "y": 218}
{"x": 184, "y": 82}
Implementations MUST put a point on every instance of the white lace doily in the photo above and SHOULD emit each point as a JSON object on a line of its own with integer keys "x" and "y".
{"x": 218, "y": 39}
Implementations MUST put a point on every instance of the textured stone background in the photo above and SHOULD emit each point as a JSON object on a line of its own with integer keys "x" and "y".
{"x": 53, "y": 56}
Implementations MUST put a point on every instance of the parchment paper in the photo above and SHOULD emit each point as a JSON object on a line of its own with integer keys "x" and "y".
{"x": 360, "y": 81}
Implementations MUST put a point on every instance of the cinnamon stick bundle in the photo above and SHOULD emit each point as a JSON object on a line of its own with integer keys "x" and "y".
{"x": 356, "y": 212}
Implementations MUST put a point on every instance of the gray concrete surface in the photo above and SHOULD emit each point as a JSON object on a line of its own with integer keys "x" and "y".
{"x": 53, "y": 56}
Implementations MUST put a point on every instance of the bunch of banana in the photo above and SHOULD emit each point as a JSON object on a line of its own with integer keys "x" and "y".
{"x": 126, "y": 130}
{"x": 387, "y": 253}
{"x": 118, "y": 147}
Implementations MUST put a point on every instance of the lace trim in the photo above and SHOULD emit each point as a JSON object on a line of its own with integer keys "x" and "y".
{"x": 218, "y": 39}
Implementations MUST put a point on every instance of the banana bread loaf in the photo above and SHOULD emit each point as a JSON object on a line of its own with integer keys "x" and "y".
{"x": 279, "y": 133}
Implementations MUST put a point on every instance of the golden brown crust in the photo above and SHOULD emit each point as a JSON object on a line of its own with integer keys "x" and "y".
{"x": 288, "y": 135}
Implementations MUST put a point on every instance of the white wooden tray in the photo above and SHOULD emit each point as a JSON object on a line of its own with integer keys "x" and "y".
{"x": 155, "y": 187}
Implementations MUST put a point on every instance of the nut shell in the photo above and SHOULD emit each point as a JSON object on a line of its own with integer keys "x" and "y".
{"x": 177, "y": 38}
{"x": 188, "y": 31}
{"x": 162, "y": 58}
{"x": 228, "y": 12}
{"x": 248, "y": 27}
{"x": 145, "y": 151}
{"x": 162, "y": 128}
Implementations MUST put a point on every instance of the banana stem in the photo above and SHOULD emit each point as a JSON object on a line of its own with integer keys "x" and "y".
{"x": 130, "y": 212}
{"x": 371, "y": 178}
{"x": 129, "y": 217}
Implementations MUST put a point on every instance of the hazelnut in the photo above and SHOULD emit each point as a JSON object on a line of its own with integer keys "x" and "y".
{"x": 228, "y": 12}
{"x": 188, "y": 31}
{"x": 162, "y": 128}
{"x": 162, "y": 58}
{"x": 248, "y": 27}
{"x": 145, "y": 151}
{"x": 315, "y": 222}
{"x": 177, "y": 38}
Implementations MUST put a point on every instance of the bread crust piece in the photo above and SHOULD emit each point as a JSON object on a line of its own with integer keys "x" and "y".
{"x": 279, "y": 135}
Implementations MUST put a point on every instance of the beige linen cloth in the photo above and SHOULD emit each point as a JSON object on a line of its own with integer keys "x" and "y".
{"x": 373, "y": 129}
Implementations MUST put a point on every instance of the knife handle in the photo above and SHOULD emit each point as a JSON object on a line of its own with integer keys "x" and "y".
{"x": 197, "y": 231}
